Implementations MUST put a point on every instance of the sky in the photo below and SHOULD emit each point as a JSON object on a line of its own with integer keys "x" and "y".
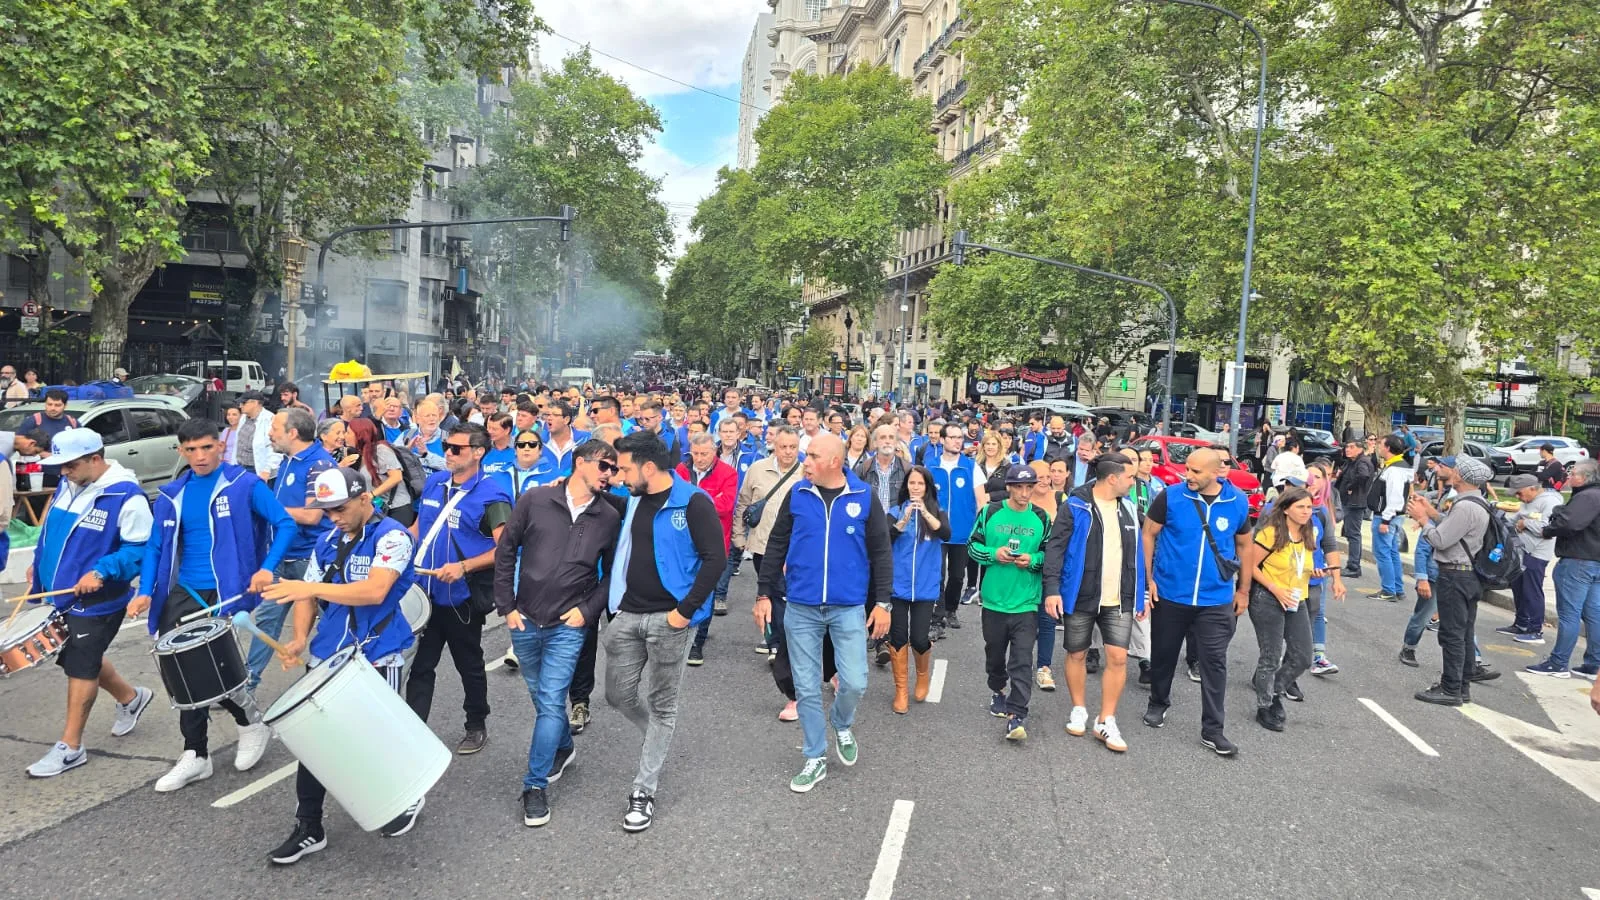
{"x": 701, "y": 43}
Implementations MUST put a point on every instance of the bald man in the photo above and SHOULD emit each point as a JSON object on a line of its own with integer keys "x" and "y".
{"x": 831, "y": 542}
{"x": 1200, "y": 586}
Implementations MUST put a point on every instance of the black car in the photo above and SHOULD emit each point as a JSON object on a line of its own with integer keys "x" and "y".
{"x": 1128, "y": 423}
{"x": 1498, "y": 460}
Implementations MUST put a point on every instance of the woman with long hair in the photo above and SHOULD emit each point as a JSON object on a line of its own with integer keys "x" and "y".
{"x": 991, "y": 460}
{"x": 856, "y": 447}
{"x": 1327, "y": 580}
{"x": 377, "y": 460}
{"x": 1282, "y": 554}
{"x": 230, "y": 435}
{"x": 1049, "y": 498}
{"x": 917, "y": 531}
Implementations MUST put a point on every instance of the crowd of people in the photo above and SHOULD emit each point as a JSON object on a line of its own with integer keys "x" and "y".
{"x": 620, "y": 517}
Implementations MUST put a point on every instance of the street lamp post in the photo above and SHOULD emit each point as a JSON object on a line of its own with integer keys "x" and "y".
{"x": 958, "y": 254}
{"x": 847, "y": 323}
{"x": 292, "y": 248}
{"x": 1245, "y": 295}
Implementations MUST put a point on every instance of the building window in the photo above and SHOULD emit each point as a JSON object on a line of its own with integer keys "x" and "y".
{"x": 17, "y": 275}
{"x": 814, "y": 9}
{"x": 894, "y": 58}
{"x": 922, "y": 364}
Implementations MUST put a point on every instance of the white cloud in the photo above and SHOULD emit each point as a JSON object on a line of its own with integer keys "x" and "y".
{"x": 684, "y": 183}
{"x": 702, "y": 43}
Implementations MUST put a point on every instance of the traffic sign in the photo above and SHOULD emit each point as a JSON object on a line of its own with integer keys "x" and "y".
{"x": 30, "y": 307}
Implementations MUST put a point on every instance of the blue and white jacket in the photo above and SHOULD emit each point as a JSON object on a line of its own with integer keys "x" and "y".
{"x": 460, "y": 538}
{"x": 343, "y": 625}
{"x": 1070, "y": 537}
{"x": 827, "y": 563}
{"x": 103, "y": 527}
{"x": 677, "y": 561}
{"x": 918, "y": 558}
{"x": 955, "y": 488}
{"x": 1185, "y": 568}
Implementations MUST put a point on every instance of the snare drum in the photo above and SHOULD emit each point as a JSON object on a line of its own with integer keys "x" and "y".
{"x": 200, "y": 663}
{"x": 34, "y": 637}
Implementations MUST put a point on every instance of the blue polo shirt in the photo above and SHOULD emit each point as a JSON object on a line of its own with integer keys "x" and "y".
{"x": 295, "y": 476}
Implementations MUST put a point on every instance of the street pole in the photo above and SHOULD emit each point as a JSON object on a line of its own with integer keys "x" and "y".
{"x": 960, "y": 245}
{"x": 1239, "y": 366}
{"x": 847, "y": 323}
{"x": 899, "y": 353}
{"x": 294, "y": 264}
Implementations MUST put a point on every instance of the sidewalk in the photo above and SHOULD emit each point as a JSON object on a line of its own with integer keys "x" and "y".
{"x": 1494, "y": 597}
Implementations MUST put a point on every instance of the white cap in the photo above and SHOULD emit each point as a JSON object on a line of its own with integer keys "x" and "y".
{"x": 73, "y": 443}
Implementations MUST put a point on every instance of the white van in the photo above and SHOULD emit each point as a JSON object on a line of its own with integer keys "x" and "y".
{"x": 243, "y": 374}
{"x": 577, "y": 377}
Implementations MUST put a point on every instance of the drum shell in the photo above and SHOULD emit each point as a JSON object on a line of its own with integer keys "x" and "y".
{"x": 200, "y": 674}
{"x": 359, "y": 738}
{"x": 31, "y": 646}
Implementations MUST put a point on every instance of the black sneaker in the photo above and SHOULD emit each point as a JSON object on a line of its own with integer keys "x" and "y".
{"x": 1155, "y": 716}
{"x": 472, "y": 741}
{"x": 936, "y": 631}
{"x": 696, "y": 656}
{"x": 1194, "y": 674}
{"x": 883, "y": 656}
{"x": 1438, "y": 696}
{"x": 1294, "y": 693}
{"x": 641, "y": 812}
{"x": 719, "y": 606}
{"x": 1144, "y": 673}
{"x": 1408, "y": 656}
{"x": 559, "y": 765}
{"x": 1510, "y": 629}
{"x": 1265, "y": 720}
{"x": 1277, "y": 713}
{"x": 1351, "y": 573}
{"x": 302, "y": 841}
{"x": 951, "y": 621}
{"x": 1219, "y": 744}
{"x": 535, "y": 808}
{"x": 405, "y": 821}
{"x": 1091, "y": 662}
{"x": 1483, "y": 673}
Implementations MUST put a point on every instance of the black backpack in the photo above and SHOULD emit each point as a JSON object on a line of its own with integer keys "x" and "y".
{"x": 1498, "y": 562}
{"x": 412, "y": 471}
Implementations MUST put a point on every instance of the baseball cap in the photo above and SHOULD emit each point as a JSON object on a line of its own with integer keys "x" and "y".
{"x": 1449, "y": 462}
{"x": 1520, "y": 482}
{"x": 335, "y": 487}
{"x": 253, "y": 395}
{"x": 72, "y": 444}
{"x": 1022, "y": 475}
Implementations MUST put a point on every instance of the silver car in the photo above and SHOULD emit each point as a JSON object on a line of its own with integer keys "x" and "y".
{"x": 140, "y": 434}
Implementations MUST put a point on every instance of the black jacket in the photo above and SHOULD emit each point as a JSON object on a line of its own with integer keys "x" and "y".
{"x": 561, "y": 559}
{"x": 1576, "y": 526}
{"x": 1355, "y": 476}
{"x": 1055, "y": 552}
{"x": 868, "y": 472}
{"x": 1062, "y": 448}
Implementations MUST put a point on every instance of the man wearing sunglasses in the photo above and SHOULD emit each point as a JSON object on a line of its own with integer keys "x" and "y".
{"x": 459, "y": 518}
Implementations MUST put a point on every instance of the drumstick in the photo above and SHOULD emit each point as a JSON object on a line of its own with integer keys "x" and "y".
{"x": 16, "y": 610}
{"x": 207, "y": 610}
{"x": 431, "y": 572}
{"x": 242, "y": 619}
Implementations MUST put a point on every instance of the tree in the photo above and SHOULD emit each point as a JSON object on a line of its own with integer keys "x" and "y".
{"x": 722, "y": 296}
{"x": 846, "y": 164}
{"x": 811, "y": 351}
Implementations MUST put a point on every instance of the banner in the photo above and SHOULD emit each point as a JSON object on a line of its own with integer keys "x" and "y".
{"x": 1025, "y": 382}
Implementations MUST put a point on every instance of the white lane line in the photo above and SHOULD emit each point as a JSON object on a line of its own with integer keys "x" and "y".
{"x": 894, "y": 844}
{"x": 1591, "y": 893}
{"x": 490, "y": 667}
{"x": 1392, "y": 722}
{"x": 936, "y": 684}
{"x": 255, "y": 787}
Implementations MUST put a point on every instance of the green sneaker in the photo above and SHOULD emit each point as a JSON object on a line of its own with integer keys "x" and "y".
{"x": 815, "y": 771}
{"x": 847, "y": 747}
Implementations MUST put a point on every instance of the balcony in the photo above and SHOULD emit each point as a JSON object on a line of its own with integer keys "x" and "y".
{"x": 937, "y": 48}
{"x": 989, "y": 144}
{"x": 946, "y": 109}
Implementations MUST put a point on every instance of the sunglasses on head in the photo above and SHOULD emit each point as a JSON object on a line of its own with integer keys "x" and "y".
{"x": 457, "y": 448}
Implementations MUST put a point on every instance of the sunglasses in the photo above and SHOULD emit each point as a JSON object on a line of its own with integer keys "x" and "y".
{"x": 457, "y": 448}
{"x": 606, "y": 466}
{"x": 527, "y": 445}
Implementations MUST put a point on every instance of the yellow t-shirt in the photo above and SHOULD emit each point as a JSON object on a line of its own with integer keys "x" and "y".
{"x": 1291, "y": 566}
{"x": 1110, "y": 552}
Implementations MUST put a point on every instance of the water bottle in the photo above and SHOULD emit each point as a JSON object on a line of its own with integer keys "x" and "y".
{"x": 1496, "y": 553}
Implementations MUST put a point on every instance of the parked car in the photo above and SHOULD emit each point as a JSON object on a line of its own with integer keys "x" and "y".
{"x": 1195, "y": 432}
{"x": 243, "y": 374}
{"x": 1524, "y": 450}
{"x": 1171, "y": 453}
{"x": 1068, "y": 409}
{"x": 1127, "y": 422}
{"x": 1497, "y": 459}
{"x": 141, "y": 433}
{"x": 184, "y": 392}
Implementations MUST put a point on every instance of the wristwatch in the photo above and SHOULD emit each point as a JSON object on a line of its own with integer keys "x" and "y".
{"x": 884, "y": 606}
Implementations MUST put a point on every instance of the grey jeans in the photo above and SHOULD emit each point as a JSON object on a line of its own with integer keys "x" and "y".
{"x": 643, "y": 648}
{"x": 1285, "y": 642}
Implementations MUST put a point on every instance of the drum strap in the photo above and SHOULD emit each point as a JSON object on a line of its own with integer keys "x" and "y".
{"x": 346, "y": 548}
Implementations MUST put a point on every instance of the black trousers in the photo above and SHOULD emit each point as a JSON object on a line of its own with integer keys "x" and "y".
{"x": 583, "y": 676}
{"x": 1008, "y": 645}
{"x": 307, "y": 789}
{"x": 782, "y": 675}
{"x": 1458, "y": 593}
{"x": 908, "y": 624}
{"x": 956, "y": 563}
{"x": 1351, "y": 531}
{"x": 193, "y": 724}
{"x": 465, "y": 640}
{"x": 1209, "y": 630}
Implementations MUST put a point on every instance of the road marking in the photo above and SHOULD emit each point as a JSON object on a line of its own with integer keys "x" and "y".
{"x": 129, "y": 624}
{"x": 894, "y": 844}
{"x": 936, "y": 684}
{"x": 1570, "y": 751}
{"x": 1591, "y": 893}
{"x": 495, "y": 665}
{"x": 255, "y": 787}
{"x": 1392, "y": 722}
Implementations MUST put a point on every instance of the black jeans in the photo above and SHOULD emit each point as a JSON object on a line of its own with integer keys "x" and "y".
{"x": 908, "y": 624}
{"x": 1008, "y": 645}
{"x": 1284, "y": 641}
{"x": 583, "y": 676}
{"x": 955, "y": 572}
{"x": 465, "y": 640}
{"x": 1458, "y": 593}
{"x": 194, "y": 723}
{"x": 1351, "y": 530}
{"x": 307, "y": 789}
{"x": 1209, "y": 629}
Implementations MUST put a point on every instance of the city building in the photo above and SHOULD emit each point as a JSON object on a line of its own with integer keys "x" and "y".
{"x": 754, "y": 83}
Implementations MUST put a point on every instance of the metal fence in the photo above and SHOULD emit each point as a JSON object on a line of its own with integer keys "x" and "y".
{"x": 74, "y": 359}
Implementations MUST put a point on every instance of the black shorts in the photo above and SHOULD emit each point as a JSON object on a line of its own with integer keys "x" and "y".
{"x": 87, "y": 640}
{"x": 1116, "y": 627}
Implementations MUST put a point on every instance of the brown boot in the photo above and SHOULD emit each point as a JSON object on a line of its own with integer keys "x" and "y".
{"x": 924, "y": 673}
{"x": 898, "y": 661}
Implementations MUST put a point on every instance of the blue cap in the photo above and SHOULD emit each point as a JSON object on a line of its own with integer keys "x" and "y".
{"x": 1449, "y": 462}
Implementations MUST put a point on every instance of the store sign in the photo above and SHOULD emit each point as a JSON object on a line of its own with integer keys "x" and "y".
{"x": 1024, "y": 382}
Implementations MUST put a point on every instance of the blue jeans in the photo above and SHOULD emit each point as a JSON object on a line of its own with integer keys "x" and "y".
{"x": 1386, "y": 554}
{"x": 546, "y": 658}
{"x": 803, "y": 629}
{"x": 1047, "y": 638}
{"x": 1319, "y": 616}
{"x": 270, "y": 618}
{"x": 1577, "y": 601}
{"x": 735, "y": 557}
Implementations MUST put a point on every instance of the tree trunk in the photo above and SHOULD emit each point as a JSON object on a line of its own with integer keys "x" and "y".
{"x": 108, "y": 328}
{"x": 1371, "y": 392}
{"x": 1455, "y": 426}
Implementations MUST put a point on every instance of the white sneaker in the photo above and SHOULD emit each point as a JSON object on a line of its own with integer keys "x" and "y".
{"x": 510, "y": 659}
{"x": 1106, "y": 731}
{"x": 59, "y": 759}
{"x": 1044, "y": 679}
{"x": 128, "y": 716}
{"x": 1078, "y": 721}
{"x": 190, "y": 768}
{"x": 253, "y": 740}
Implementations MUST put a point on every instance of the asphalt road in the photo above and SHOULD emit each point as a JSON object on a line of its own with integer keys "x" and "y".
{"x": 1339, "y": 805}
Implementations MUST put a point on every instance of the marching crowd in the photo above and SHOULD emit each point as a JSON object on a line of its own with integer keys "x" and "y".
{"x": 586, "y": 517}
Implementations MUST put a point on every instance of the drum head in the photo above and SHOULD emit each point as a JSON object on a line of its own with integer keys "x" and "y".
{"x": 301, "y": 690}
{"x": 415, "y": 607}
{"x": 26, "y": 623}
{"x": 192, "y": 634}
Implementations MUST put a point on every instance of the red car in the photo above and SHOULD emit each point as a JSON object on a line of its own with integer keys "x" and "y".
{"x": 1172, "y": 452}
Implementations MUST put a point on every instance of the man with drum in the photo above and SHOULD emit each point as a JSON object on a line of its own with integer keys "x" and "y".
{"x": 92, "y": 541}
{"x": 219, "y": 533}
{"x": 459, "y": 519}
{"x": 360, "y": 569}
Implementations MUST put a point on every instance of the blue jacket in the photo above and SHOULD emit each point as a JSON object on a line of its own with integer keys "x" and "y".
{"x": 244, "y": 522}
{"x": 722, "y": 411}
{"x": 343, "y": 625}
{"x": 496, "y": 460}
{"x": 827, "y": 563}
{"x": 516, "y": 480}
{"x": 748, "y": 454}
{"x": 1185, "y": 568}
{"x": 1082, "y": 520}
{"x": 293, "y": 482}
{"x": 956, "y": 496}
{"x": 460, "y": 538}
{"x": 677, "y": 561}
{"x": 1033, "y": 445}
{"x": 563, "y": 462}
{"x": 93, "y": 541}
{"x": 918, "y": 558}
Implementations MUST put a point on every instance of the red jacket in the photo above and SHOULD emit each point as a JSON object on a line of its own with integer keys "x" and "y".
{"x": 722, "y": 483}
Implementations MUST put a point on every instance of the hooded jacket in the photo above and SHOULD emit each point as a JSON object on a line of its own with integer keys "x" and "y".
{"x": 102, "y": 527}
{"x": 1073, "y": 555}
